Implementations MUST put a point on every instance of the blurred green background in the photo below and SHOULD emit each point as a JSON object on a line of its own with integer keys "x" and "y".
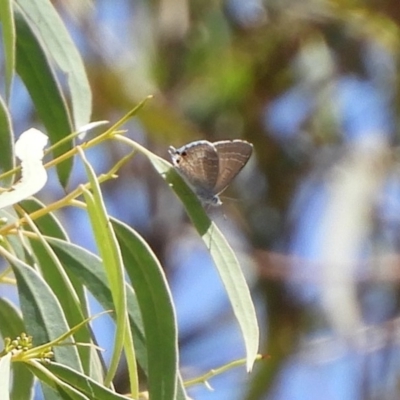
{"x": 314, "y": 216}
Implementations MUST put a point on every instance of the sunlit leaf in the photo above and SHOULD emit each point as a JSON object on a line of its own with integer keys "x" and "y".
{"x": 111, "y": 256}
{"x": 53, "y": 34}
{"x": 56, "y": 277}
{"x": 155, "y": 301}
{"x": 8, "y": 31}
{"x": 54, "y": 387}
{"x": 82, "y": 383}
{"x": 6, "y": 143}
{"x": 37, "y": 74}
{"x": 43, "y": 316}
{"x": 89, "y": 269}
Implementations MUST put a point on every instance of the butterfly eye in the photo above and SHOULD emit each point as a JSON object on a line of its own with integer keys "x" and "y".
{"x": 183, "y": 154}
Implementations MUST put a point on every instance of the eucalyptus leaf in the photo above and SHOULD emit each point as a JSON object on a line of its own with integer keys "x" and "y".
{"x": 34, "y": 68}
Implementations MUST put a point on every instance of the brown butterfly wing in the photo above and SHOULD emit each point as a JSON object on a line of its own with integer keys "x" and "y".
{"x": 198, "y": 163}
{"x": 233, "y": 156}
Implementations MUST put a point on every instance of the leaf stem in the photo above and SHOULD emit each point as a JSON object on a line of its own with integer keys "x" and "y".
{"x": 203, "y": 379}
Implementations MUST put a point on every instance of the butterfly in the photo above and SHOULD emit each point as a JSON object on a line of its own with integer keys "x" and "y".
{"x": 210, "y": 167}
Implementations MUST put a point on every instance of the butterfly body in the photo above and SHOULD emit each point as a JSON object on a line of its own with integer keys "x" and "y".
{"x": 210, "y": 167}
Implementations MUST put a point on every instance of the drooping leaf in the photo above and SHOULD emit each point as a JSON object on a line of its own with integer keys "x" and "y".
{"x": 110, "y": 254}
{"x": 89, "y": 268}
{"x": 43, "y": 17}
{"x": 67, "y": 287}
{"x": 8, "y": 30}
{"x": 43, "y": 316}
{"x": 35, "y": 70}
{"x": 56, "y": 277}
{"x": 53, "y": 387}
{"x": 155, "y": 301}
{"x": 6, "y": 143}
{"x": 85, "y": 385}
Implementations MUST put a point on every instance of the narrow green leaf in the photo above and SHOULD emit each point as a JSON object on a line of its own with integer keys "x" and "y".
{"x": 56, "y": 277}
{"x": 60, "y": 388}
{"x": 110, "y": 254}
{"x": 8, "y": 29}
{"x": 108, "y": 249}
{"x": 155, "y": 301}
{"x": 50, "y": 226}
{"x": 43, "y": 315}
{"x": 22, "y": 383}
{"x": 35, "y": 70}
{"x": 89, "y": 268}
{"x": 224, "y": 258}
{"x": 6, "y": 143}
{"x": 44, "y": 19}
{"x": 50, "y": 393}
{"x": 14, "y": 326}
{"x": 83, "y": 384}
{"x": 5, "y": 366}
